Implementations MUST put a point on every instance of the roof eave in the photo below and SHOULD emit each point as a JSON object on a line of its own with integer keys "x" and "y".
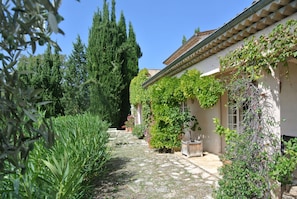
{"x": 242, "y": 16}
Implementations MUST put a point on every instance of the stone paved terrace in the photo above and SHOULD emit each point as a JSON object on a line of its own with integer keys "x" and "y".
{"x": 137, "y": 172}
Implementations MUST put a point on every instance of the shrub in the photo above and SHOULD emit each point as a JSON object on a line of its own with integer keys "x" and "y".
{"x": 241, "y": 180}
{"x": 65, "y": 170}
{"x": 283, "y": 165}
{"x": 138, "y": 131}
{"x": 130, "y": 122}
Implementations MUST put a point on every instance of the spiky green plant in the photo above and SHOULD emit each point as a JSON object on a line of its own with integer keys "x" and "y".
{"x": 64, "y": 171}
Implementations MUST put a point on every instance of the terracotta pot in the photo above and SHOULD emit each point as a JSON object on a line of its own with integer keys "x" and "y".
{"x": 227, "y": 162}
{"x": 129, "y": 129}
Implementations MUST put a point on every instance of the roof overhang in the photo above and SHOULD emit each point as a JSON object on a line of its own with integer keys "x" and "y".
{"x": 212, "y": 72}
{"x": 196, "y": 38}
{"x": 253, "y": 19}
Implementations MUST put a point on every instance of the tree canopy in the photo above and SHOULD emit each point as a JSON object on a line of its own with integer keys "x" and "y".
{"x": 76, "y": 94}
{"x": 44, "y": 72}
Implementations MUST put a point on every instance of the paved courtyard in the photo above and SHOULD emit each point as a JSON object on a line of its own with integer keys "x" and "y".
{"x": 137, "y": 172}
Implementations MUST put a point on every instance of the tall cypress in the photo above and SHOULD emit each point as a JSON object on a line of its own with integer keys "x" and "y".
{"x": 131, "y": 53}
{"x": 134, "y": 54}
{"x": 93, "y": 56}
{"x": 105, "y": 78}
{"x": 107, "y": 57}
{"x": 122, "y": 52}
{"x": 51, "y": 81}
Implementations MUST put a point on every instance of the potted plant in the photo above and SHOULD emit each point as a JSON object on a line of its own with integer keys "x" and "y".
{"x": 193, "y": 146}
{"x": 139, "y": 131}
{"x": 191, "y": 125}
{"x": 129, "y": 124}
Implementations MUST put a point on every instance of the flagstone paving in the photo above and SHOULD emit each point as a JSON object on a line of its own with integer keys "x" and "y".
{"x": 137, "y": 172}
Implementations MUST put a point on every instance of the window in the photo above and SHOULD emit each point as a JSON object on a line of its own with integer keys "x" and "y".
{"x": 236, "y": 112}
{"x": 234, "y": 118}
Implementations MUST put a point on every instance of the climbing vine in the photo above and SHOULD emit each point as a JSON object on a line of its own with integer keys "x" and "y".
{"x": 188, "y": 83}
{"x": 247, "y": 174}
{"x": 207, "y": 90}
{"x": 166, "y": 97}
{"x": 139, "y": 95}
{"x": 168, "y": 118}
{"x": 264, "y": 53}
{"x": 254, "y": 152}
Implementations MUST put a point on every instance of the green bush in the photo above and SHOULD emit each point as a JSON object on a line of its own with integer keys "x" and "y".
{"x": 283, "y": 165}
{"x": 167, "y": 130}
{"x": 65, "y": 170}
{"x": 138, "y": 131}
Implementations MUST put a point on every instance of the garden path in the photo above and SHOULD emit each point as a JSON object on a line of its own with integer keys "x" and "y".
{"x": 137, "y": 172}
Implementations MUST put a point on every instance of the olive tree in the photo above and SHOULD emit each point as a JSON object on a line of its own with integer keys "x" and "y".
{"x": 24, "y": 25}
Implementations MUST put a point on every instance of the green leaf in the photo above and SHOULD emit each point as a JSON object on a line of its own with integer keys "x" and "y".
{"x": 30, "y": 115}
{"x": 54, "y": 170}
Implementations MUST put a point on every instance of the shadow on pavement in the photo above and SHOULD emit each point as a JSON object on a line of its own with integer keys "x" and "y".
{"x": 114, "y": 177}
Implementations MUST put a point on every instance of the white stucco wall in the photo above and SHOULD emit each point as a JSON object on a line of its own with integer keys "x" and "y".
{"x": 270, "y": 87}
{"x": 211, "y": 140}
{"x": 138, "y": 119}
{"x": 288, "y": 100}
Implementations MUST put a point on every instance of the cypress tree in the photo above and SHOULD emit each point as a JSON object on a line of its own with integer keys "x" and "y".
{"x": 109, "y": 60}
{"x": 134, "y": 54}
{"x": 76, "y": 95}
{"x": 51, "y": 80}
{"x": 130, "y": 69}
{"x": 104, "y": 70}
{"x": 93, "y": 56}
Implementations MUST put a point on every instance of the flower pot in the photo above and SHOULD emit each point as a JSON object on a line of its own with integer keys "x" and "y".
{"x": 129, "y": 129}
{"x": 192, "y": 148}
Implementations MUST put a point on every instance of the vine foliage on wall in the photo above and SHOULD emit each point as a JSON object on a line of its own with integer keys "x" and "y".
{"x": 206, "y": 89}
{"x": 166, "y": 98}
{"x": 161, "y": 103}
{"x": 167, "y": 116}
{"x": 254, "y": 153}
{"x": 140, "y": 96}
{"x": 264, "y": 53}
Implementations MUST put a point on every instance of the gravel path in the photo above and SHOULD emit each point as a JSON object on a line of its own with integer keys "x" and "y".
{"x": 137, "y": 172}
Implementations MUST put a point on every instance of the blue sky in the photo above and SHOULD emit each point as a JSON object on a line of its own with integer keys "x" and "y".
{"x": 159, "y": 25}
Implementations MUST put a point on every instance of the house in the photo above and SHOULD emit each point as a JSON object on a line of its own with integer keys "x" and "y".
{"x": 137, "y": 110}
{"x": 203, "y": 52}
